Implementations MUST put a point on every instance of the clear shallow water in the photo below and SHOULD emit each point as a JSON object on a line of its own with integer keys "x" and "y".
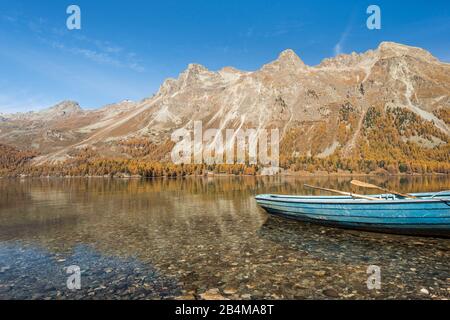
{"x": 165, "y": 239}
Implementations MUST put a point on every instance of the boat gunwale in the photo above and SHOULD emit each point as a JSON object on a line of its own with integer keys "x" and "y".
{"x": 348, "y": 200}
{"x": 284, "y": 204}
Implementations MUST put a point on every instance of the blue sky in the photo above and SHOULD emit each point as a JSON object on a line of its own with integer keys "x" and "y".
{"x": 126, "y": 49}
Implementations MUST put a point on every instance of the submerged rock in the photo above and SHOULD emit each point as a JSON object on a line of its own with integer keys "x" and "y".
{"x": 212, "y": 294}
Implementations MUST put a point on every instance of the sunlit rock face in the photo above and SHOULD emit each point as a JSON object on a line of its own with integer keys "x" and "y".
{"x": 319, "y": 110}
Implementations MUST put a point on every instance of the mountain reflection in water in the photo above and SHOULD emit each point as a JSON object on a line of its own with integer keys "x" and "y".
{"x": 164, "y": 238}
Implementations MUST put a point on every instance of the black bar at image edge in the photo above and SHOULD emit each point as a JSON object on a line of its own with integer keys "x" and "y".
{"x": 284, "y": 309}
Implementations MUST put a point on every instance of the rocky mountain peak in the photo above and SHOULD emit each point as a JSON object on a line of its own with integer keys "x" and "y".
{"x": 290, "y": 58}
{"x": 388, "y": 49}
{"x": 287, "y": 60}
{"x": 193, "y": 73}
{"x": 346, "y": 60}
{"x": 288, "y": 54}
{"x": 66, "y": 106}
{"x": 385, "y": 50}
{"x": 195, "y": 68}
{"x": 63, "y": 109}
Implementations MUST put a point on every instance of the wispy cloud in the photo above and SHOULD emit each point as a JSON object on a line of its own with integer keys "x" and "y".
{"x": 22, "y": 101}
{"x": 25, "y": 97}
{"x": 65, "y": 70}
{"x": 107, "y": 56}
{"x": 102, "y": 52}
{"x": 282, "y": 28}
{"x": 249, "y": 32}
{"x": 105, "y": 46}
{"x": 339, "y": 46}
{"x": 9, "y": 18}
{"x": 96, "y": 50}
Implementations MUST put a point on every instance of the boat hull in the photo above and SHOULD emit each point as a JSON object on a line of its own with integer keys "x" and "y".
{"x": 422, "y": 216}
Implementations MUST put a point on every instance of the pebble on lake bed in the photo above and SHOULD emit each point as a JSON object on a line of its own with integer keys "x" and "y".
{"x": 424, "y": 291}
{"x": 229, "y": 291}
{"x": 331, "y": 293}
{"x": 212, "y": 294}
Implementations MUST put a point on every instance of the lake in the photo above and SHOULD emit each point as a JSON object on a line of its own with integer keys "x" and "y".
{"x": 198, "y": 238}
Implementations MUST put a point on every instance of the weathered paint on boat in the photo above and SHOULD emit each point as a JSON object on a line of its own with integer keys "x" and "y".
{"x": 425, "y": 215}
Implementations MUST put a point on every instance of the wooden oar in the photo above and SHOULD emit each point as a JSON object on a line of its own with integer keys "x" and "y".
{"x": 354, "y": 195}
{"x": 372, "y": 186}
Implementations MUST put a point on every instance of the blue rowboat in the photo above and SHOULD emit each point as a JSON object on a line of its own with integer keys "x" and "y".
{"x": 427, "y": 214}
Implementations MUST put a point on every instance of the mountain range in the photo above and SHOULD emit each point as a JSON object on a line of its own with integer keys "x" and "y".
{"x": 387, "y": 104}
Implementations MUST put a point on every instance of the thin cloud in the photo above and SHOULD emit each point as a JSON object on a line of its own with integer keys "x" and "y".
{"x": 9, "y": 18}
{"x": 14, "y": 98}
{"x": 285, "y": 28}
{"x": 279, "y": 30}
{"x": 339, "y": 46}
{"x": 105, "y": 46}
{"x": 22, "y": 102}
{"x": 102, "y": 52}
{"x": 98, "y": 56}
{"x": 95, "y": 50}
{"x": 248, "y": 33}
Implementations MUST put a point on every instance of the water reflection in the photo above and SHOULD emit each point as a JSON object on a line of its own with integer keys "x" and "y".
{"x": 202, "y": 234}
